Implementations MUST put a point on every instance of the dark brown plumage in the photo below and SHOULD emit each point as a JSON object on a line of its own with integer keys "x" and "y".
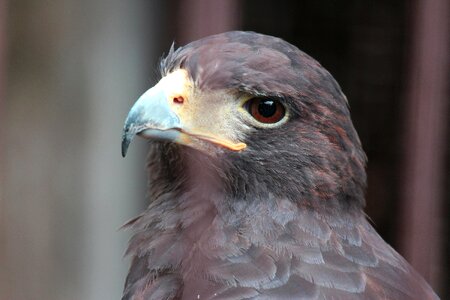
{"x": 250, "y": 210}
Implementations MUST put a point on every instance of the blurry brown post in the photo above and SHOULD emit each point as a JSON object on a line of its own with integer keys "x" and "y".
{"x": 199, "y": 18}
{"x": 425, "y": 125}
{"x": 2, "y": 47}
{"x": 2, "y": 61}
{"x": 3, "y": 285}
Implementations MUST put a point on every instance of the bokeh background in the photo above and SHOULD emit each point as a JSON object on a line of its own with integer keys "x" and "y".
{"x": 71, "y": 69}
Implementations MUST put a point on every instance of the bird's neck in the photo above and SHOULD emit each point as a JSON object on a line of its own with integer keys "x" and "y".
{"x": 195, "y": 181}
{"x": 187, "y": 192}
{"x": 193, "y": 227}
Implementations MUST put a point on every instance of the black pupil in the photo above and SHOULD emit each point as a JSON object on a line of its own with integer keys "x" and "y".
{"x": 267, "y": 108}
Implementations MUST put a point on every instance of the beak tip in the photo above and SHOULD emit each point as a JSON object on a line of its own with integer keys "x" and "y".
{"x": 126, "y": 140}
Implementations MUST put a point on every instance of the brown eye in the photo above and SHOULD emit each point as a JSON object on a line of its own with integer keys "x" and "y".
{"x": 265, "y": 110}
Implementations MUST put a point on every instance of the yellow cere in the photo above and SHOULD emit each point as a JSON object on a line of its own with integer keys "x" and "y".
{"x": 176, "y": 84}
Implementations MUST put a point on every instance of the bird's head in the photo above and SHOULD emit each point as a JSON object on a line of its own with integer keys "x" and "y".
{"x": 269, "y": 118}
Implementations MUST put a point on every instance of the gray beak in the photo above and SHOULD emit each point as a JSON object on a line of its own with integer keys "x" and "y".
{"x": 151, "y": 117}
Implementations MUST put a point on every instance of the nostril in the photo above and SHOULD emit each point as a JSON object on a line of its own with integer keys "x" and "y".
{"x": 178, "y": 100}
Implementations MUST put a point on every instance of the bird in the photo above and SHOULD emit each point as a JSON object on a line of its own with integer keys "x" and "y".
{"x": 256, "y": 182}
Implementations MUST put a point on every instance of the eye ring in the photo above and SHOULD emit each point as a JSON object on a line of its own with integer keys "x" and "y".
{"x": 265, "y": 110}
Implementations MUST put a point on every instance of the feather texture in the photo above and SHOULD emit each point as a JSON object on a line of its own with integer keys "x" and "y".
{"x": 302, "y": 255}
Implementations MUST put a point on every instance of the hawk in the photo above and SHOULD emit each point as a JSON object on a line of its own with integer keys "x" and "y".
{"x": 256, "y": 182}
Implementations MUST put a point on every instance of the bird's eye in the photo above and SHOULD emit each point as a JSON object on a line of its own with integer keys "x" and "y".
{"x": 265, "y": 110}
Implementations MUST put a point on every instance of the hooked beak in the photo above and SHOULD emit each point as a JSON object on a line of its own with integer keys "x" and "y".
{"x": 151, "y": 117}
{"x": 158, "y": 114}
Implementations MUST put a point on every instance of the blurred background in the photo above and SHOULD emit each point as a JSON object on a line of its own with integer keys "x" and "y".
{"x": 71, "y": 69}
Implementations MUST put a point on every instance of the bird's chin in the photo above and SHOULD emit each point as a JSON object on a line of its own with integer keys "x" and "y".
{"x": 207, "y": 144}
{"x": 160, "y": 135}
{"x": 178, "y": 137}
